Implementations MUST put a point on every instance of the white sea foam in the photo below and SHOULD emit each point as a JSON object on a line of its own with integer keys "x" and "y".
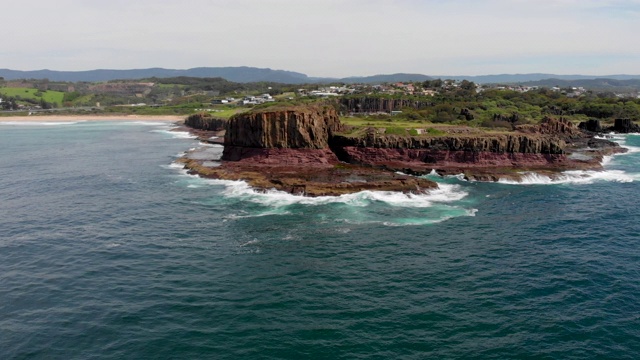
{"x": 176, "y": 134}
{"x": 433, "y": 173}
{"x": 621, "y": 139}
{"x": 250, "y": 242}
{"x": 151, "y": 123}
{"x": 174, "y": 165}
{"x": 572, "y": 177}
{"x": 274, "y": 198}
{"x": 260, "y": 214}
{"x": 428, "y": 208}
{"x": 210, "y": 145}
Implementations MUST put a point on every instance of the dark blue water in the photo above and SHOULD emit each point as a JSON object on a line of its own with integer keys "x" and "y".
{"x": 109, "y": 252}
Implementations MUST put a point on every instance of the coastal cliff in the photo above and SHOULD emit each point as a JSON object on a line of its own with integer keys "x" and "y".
{"x": 496, "y": 143}
{"x": 293, "y": 135}
{"x": 300, "y": 127}
{"x": 305, "y": 149}
{"x": 206, "y": 122}
{"x": 541, "y": 146}
{"x": 288, "y": 149}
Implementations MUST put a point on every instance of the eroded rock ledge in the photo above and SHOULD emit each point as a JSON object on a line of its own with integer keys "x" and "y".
{"x": 306, "y": 150}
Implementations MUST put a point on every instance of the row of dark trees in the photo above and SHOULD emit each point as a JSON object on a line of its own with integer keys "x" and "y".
{"x": 505, "y": 107}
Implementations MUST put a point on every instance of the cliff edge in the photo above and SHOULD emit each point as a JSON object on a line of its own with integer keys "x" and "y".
{"x": 305, "y": 149}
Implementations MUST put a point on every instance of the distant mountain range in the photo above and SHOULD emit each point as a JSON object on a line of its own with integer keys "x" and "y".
{"x": 599, "y": 84}
{"x": 244, "y": 74}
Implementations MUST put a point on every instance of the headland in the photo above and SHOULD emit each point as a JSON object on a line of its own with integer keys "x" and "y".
{"x": 305, "y": 149}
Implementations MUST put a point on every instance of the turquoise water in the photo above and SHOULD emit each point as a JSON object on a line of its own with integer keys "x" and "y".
{"x": 108, "y": 251}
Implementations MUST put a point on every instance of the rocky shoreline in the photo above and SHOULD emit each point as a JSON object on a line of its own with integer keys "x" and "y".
{"x": 305, "y": 150}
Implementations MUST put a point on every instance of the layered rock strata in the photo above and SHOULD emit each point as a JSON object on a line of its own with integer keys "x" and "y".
{"x": 305, "y": 150}
{"x": 288, "y": 149}
{"x": 205, "y": 122}
{"x": 301, "y": 127}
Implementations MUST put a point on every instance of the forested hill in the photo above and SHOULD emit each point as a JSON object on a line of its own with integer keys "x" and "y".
{"x": 240, "y": 74}
{"x": 245, "y": 74}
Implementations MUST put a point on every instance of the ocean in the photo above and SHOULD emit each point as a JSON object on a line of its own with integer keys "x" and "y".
{"x": 109, "y": 250}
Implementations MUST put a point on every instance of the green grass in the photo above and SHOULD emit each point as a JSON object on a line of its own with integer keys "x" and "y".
{"x": 85, "y": 100}
{"x": 26, "y": 93}
{"x": 285, "y": 96}
{"x": 395, "y": 131}
{"x": 227, "y": 113}
{"x": 170, "y": 110}
{"x": 170, "y": 86}
{"x": 434, "y": 132}
{"x": 372, "y": 121}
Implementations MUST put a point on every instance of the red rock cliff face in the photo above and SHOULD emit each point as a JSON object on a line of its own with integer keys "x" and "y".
{"x": 307, "y": 136}
{"x": 205, "y": 122}
{"x": 446, "y": 152}
{"x": 303, "y": 127}
{"x": 498, "y": 143}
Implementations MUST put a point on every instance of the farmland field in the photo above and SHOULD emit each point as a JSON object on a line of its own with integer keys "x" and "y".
{"x": 33, "y": 94}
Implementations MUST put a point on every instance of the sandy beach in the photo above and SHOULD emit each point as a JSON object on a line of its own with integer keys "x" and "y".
{"x": 65, "y": 118}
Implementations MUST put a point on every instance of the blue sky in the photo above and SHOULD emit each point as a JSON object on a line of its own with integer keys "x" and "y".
{"x": 327, "y": 37}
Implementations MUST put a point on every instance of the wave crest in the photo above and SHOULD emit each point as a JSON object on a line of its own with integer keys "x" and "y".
{"x": 572, "y": 177}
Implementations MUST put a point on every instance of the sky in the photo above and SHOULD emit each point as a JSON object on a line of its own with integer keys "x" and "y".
{"x": 328, "y": 38}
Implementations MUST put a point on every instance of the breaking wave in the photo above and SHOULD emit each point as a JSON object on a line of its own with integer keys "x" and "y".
{"x": 170, "y": 130}
{"x": 573, "y": 177}
{"x": 446, "y": 193}
{"x": 365, "y": 207}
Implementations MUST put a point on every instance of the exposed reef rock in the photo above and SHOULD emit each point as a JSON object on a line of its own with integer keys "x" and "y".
{"x": 271, "y": 156}
{"x": 314, "y": 180}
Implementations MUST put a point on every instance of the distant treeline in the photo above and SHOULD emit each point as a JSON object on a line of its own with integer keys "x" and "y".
{"x": 491, "y": 108}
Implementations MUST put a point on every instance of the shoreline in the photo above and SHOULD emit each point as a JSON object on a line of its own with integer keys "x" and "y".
{"x": 311, "y": 157}
{"x": 70, "y": 118}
